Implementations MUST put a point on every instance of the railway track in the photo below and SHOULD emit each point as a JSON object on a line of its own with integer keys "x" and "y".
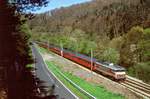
{"x": 137, "y": 86}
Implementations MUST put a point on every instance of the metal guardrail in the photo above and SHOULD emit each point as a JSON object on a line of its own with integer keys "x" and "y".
{"x": 75, "y": 85}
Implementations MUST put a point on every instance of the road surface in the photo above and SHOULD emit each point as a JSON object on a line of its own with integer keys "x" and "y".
{"x": 49, "y": 80}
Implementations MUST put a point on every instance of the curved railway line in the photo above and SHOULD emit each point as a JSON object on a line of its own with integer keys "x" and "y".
{"x": 137, "y": 86}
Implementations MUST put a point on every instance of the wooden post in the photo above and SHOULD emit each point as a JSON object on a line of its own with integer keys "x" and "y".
{"x": 91, "y": 59}
{"x": 48, "y": 44}
{"x": 76, "y": 48}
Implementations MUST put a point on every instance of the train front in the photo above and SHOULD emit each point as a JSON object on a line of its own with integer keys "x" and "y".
{"x": 119, "y": 72}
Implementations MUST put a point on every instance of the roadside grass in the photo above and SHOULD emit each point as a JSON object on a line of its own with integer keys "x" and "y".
{"x": 70, "y": 86}
{"x": 42, "y": 50}
{"x": 96, "y": 90}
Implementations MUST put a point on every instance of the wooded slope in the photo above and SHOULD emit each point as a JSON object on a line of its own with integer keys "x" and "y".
{"x": 117, "y": 31}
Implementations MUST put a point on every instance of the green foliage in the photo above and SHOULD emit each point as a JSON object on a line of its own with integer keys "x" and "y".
{"x": 141, "y": 71}
{"x": 110, "y": 55}
{"x": 134, "y": 35}
{"x": 39, "y": 29}
{"x": 25, "y": 28}
{"x": 112, "y": 18}
{"x": 23, "y": 44}
{"x": 144, "y": 46}
{"x": 128, "y": 51}
{"x": 116, "y": 43}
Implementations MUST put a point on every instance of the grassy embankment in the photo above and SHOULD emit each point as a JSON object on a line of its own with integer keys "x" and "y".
{"x": 96, "y": 90}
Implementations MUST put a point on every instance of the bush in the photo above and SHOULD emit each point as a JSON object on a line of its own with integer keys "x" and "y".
{"x": 116, "y": 43}
{"x": 144, "y": 46}
{"x": 128, "y": 51}
{"x": 141, "y": 71}
{"x": 110, "y": 55}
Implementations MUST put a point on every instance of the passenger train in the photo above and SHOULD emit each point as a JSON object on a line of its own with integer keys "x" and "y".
{"x": 107, "y": 69}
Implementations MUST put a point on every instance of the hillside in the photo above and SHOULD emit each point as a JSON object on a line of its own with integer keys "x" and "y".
{"x": 116, "y": 30}
{"x": 113, "y": 17}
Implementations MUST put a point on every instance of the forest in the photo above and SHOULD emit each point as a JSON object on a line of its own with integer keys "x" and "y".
{"x": 117, "y": 31}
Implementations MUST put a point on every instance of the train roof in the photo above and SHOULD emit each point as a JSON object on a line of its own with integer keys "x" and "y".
{"x": 111, "y": 66}
{"x": 81, "y": 55}
{"x": 105, "y": 64}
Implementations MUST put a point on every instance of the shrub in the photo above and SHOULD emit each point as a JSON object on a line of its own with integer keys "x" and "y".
{"x": 141, "y": 71}
{"x": 110, "y": 55}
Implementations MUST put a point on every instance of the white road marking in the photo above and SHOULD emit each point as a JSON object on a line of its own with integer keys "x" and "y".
{"x": 48, "y": 75}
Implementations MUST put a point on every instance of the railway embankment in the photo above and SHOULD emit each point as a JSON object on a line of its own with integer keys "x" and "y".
{"x": 91, "y": 77}
{"x": 78, "y": 85}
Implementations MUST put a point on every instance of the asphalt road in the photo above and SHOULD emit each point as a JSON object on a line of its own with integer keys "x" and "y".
{"x": 49, "y": 80}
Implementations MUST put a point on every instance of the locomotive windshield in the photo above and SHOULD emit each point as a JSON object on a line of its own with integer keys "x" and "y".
{"x": 119, "y": 70}
{"x": 112, "y": 66}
